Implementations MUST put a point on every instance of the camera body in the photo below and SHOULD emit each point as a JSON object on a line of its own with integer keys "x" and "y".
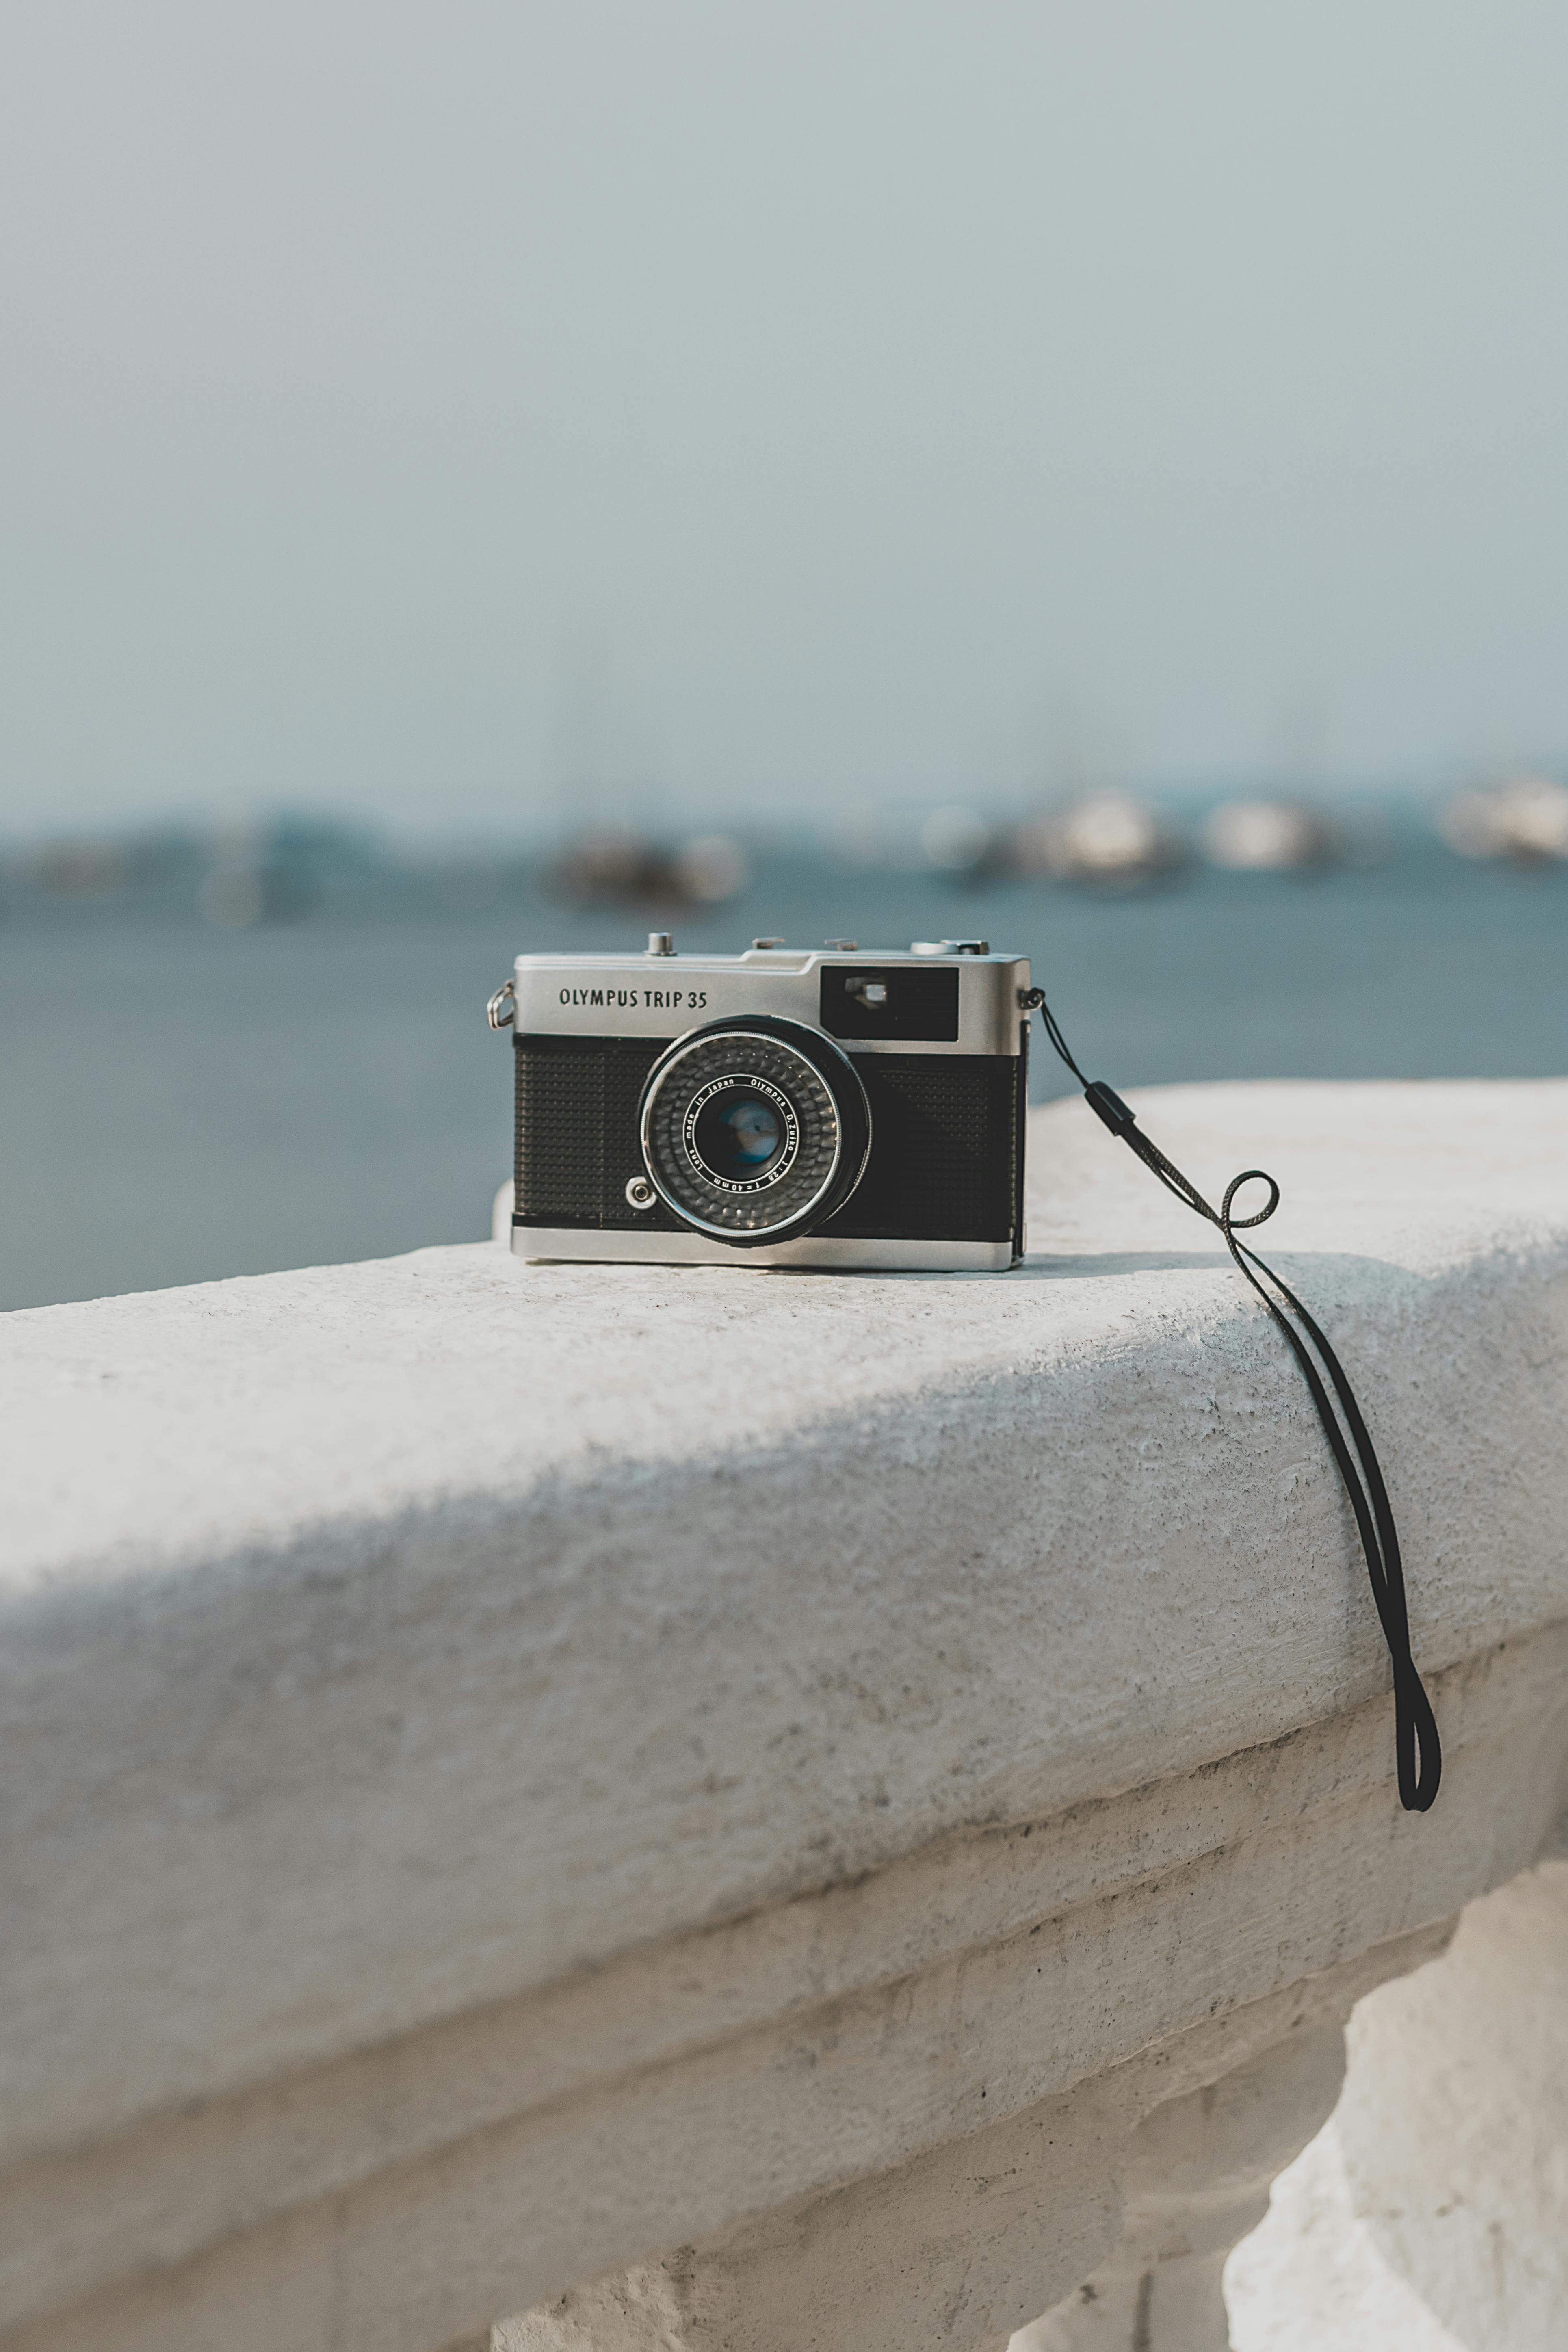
{"x": 813, "y": 1108}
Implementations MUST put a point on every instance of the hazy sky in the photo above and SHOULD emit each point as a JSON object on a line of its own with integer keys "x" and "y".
{"x": 451, "y": 410}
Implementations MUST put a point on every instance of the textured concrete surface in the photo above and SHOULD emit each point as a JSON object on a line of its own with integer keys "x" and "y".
{"x": 1440, "y": 2188}
{"x": 1311, "y": 2278}
{"x": 962, "y": 2245}
{"x": 1196, "y": 2179}
{"x": 470, "y": 1732}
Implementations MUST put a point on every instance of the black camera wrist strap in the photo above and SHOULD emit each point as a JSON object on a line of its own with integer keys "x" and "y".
{"x": 1417, "y": 1749}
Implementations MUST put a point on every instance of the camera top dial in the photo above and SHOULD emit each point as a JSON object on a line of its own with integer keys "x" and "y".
{"x": 754, "y": 1130}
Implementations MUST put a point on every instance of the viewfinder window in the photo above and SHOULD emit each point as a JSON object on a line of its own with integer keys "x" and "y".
{"x": 890, "y": 1000}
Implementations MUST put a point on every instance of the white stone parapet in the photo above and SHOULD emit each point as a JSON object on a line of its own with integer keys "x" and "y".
{"x": 758, "y": 1810}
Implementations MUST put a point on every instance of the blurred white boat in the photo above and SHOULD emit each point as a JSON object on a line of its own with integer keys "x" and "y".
{"x": 617, "y": 868}
{"x": 1266, "y": 837}
{"x": 1525, "y": 819}
{"x": 1108, "y": 837}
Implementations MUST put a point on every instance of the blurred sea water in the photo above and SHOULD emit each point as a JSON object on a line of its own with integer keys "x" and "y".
{"x": 183, "y": 1102}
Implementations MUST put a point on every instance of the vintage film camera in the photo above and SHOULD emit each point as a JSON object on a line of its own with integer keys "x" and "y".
{"x": 808, "y": 1107}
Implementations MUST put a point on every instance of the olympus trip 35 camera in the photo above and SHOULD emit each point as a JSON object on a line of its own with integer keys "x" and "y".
{"x": 812, "y": 1108}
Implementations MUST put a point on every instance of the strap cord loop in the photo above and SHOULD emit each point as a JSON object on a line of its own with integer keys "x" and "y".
{"x": 1418, "y": 1753}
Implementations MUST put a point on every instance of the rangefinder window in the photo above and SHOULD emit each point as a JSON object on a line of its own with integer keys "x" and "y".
{"x": 890, "y": 1000}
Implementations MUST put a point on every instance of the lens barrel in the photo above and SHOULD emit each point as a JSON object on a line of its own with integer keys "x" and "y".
{"x": 754, "y": 1130}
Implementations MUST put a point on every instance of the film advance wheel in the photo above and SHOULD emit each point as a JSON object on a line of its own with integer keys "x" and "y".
{"x": 754, "y": 1130}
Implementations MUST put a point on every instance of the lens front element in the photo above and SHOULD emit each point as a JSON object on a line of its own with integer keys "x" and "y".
{"x": 752, "y": 1135}
{"x": 743, "y": 1134}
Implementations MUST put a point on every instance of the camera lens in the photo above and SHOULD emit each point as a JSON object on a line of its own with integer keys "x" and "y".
{"x": 754, "y": 1132}
{"x": 738, "y": 1135}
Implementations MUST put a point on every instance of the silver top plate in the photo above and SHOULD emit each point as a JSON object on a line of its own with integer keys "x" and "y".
{"x": 663, "y": 995}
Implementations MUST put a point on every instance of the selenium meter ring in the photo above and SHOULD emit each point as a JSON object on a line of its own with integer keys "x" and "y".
{"x": 754, "y": 1130}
